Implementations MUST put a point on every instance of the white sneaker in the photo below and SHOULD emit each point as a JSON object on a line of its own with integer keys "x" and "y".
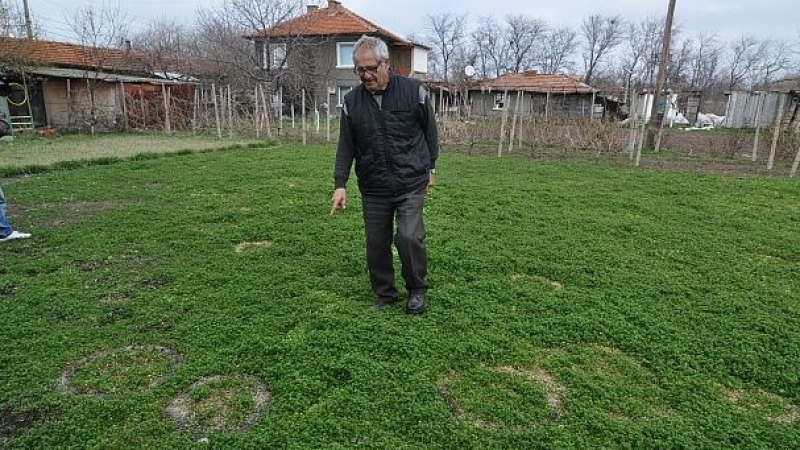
{"x": 15, "y": 235}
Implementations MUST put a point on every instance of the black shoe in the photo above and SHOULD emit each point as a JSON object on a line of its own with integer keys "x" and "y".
{"x": 383, "y": 302}
{"x": 415, "y": 304}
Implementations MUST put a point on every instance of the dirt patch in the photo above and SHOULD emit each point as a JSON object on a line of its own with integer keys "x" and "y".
{"x": 12, "y": 423}
{"x": 771, "y": 406}
{"x": 219, "y": 404}
{"x": 113, "y": 373}
{"x": 554, "y": 391}
{"x": 251, "y": 246}
{"x": 116, "y": 297}
{"x": 554, "y": 395}
{"x": 537, "y": 279}
{"x": 91, "y": 266}
{"x": 8, "y": 291}
{"x": 63, "y": 214}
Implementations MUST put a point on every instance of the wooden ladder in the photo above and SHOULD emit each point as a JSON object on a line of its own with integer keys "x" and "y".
{"x": 21, "y": 123}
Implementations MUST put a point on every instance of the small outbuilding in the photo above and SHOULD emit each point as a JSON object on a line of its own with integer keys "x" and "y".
{"x": 534, "y": 94}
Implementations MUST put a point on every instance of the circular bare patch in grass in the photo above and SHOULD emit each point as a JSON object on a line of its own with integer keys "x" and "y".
{"x": 114, "y": 373}
{"x": 219, "y": 404}
{"x": 771, "y": 406}
{"x": 537, "y": 280}
{"x": 611, "y": 381}
{"x": 251, "y": 246}
{"x": 503, "y": 398}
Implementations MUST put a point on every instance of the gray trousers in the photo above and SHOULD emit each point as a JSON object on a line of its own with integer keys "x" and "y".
{"x": 380, "y": 214}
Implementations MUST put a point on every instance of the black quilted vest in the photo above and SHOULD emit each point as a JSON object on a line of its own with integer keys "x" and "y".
{"x": 392, "y": 155}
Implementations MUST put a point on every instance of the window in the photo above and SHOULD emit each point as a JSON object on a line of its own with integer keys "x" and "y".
{"x": 344, "y": 55}
{"x": 341, "y": 91}
{"x": 499, "y": 101}
{"x": 275, "y": 56}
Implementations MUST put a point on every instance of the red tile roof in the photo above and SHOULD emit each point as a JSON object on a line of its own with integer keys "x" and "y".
{"x": 27, "y": 52}
{"x": 530, "y": 81}
{"x": 332, "y": 20}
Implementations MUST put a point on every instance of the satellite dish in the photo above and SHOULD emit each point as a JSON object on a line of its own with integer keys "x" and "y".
{"x": 469, "y": 71}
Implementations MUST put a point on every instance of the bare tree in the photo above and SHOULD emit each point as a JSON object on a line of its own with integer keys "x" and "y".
{"x": 521, "y": 34}
{"x": 638, "y": 39}
{"x": 679, "y": 70}
{"x": 12, "y": 20}
{"x": 220, "y": 47}
{"x": 601, "y": 35}
{"x": 776, "y": 58}
{"x": 446, "y": 32}
{"x": 165, "y": 43}
{"x": 705, "y": 62}
{"x": 745, "y": 58}
{"x": 559, "y": 46}
{"x": 105, "y": 26}
{"x": 482, "y": 40}
{"x": 490, "y": 46}
{"x": 100, "y": 30}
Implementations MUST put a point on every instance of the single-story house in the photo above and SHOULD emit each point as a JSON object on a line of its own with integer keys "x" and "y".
{"x": 547, "y": 95}
{"x": 68, "y": 85}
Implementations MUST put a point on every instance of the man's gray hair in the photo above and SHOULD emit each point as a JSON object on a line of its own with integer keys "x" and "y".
{"x": 376, "y": 45}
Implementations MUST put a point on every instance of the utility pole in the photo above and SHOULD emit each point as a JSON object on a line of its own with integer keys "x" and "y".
{"x": 662, "y": 74}
{"x": 28, "y": 26}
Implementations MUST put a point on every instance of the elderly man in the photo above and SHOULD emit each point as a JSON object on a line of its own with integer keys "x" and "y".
{"x": 389, "y": 129}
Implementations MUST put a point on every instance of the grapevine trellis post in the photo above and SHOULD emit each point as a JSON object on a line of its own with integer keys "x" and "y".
{"x": 268, "y": 103}
{"x": 514, "y": 122}
{"x": 195, "y": 102}
{"x": 633, "y": 116}
{"x": 777, "y": 132}
{"x": 167, "y": 123}
{"x": 759, "y": 107}
{"x": 230, "y": 113}
{"x": 328, "y": 120}
{"x": 256, "y": 114}
{"x": 303, "y": 114}
{"x": 503, "y": 124}
{"x": 216, "y": 110}
{"x": 124, "y": 106}
{"x": 795, "y": 164}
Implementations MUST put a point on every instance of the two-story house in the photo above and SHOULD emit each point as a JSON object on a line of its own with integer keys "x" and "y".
{"x": 315, "y": 52}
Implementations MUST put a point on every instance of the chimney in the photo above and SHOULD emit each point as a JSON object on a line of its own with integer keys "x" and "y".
{"x": 334, "y": 4}
{"x": 127, "y": 45}
{"x": 310, "y": 8}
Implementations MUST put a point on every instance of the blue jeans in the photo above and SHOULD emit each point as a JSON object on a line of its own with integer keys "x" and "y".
{"x": 5, "y": 226}
{"x": 379, "y": 216}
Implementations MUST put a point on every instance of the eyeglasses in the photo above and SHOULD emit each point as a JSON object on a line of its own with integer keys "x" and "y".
{"x": 372, "y": 70}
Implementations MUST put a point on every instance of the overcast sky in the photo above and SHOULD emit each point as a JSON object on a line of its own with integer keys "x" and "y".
{"x": 729, "y": 19}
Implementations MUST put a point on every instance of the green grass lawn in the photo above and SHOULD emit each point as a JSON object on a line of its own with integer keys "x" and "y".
{"x": 28, "y": 153}
{"x": 572, "y": 306}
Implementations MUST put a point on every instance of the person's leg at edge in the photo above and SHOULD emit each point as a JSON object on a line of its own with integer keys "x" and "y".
{"x": 5, "y": 226}
{"x": 378, "y": 224}
{"x": 410, "y": 242}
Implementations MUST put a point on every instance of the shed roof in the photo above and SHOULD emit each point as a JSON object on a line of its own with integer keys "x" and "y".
{"x": 531, "y": 81}
{"x": 39, "y": 53}
{"x": 56, "y": 72}
{"x": 333, "y": 20}
{"x": 27, "y": 52}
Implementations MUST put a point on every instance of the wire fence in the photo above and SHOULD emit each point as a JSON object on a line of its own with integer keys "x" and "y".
{"x": 261, "y": 113}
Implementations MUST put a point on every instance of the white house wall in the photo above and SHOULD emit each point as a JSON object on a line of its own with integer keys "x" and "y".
{"x": 419, "y": 60}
